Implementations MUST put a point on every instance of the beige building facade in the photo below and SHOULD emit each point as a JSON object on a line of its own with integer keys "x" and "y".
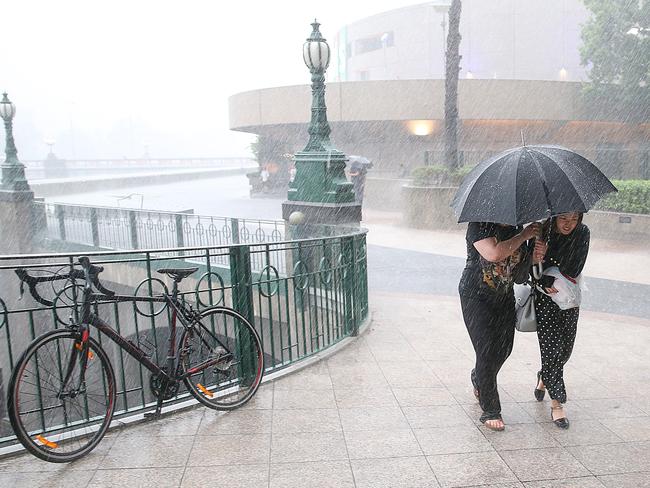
{"x": 397, "y": 122}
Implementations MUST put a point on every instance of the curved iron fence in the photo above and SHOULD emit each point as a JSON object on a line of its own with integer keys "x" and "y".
{"x": 302, "y": 294}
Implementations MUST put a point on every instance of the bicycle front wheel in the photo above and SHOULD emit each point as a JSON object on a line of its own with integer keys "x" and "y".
{"x": 56, "y": 422}
{"x": 222, "y": 359}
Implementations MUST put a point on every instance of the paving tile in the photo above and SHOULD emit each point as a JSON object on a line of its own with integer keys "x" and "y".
{"x": 305, "y": 380}
{"x": 302, "y": 447}
{"x": 581, "y": 433}
{"x": 236, "y": 422}
{"x": 630, "y": 429}
{"x": 503, "y": 485}
{"x": 541, "y": 411}
{"x": 586, "y": 482}
{"x": 410, "y": 374}
{"x": 520, "y": 436}
{"x": 263, "y": 399}
{"x": 631, "y": 480}
{"x": 409, "y": 472}
{"x": 422, "y": 397}
{"x": 612, "y": 458}
{"x": 222, "y": 450}
{"x": 381, "y": 444}
{"x": 610, "y": 408}
{"x": 434, "y": 351}
{"x": 351, "y": 378}
{"x": 373, "y": 418}
{"x": 24, "y": 463}
{"x": 452, "y": 440}
{"x": 145, "y": 452}
{"x": 292, "y": 399}
{"x": 235, "y": 476}
{"x": 468, "y": 469}
{"x": 183, "y": 423}
{"x": 327, "y": 474}
{"x": 355, "y": 352}
{"x": 541, "y": 464}
{"x": 142, "y": 478}
{"x": 365, "y": 397}
{"x": 315, "y": 420}
{"x": 51, "y": 478}
{"x": 512, "y": 413}
{"x": 436, "y": 416}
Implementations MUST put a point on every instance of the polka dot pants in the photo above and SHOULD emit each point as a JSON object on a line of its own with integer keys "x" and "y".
{"x": 556, "y": 332}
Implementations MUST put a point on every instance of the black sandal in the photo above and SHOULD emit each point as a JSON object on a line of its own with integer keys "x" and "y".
{"x": 539, "y": 394}
{"x": 562, "y": 423}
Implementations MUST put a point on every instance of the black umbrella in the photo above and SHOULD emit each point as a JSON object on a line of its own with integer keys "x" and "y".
{"x": 529, "y": 183}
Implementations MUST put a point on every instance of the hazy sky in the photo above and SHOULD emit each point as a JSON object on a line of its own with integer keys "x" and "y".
{"x": 106, "y": 78}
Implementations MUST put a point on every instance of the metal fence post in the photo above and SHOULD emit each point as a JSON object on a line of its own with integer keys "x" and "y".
{"x": 60, "y": 215}
{"x": 234, "y": 227}
{"x": 349, "y": 255}
{"x": 241, "y": 279}
{"x": 133, "y": 226}
{"x": 94, "y": 227}
{"x": 180, "y": 240}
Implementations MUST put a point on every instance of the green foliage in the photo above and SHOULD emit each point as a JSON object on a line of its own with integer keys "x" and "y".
{"x": 633, "y": 197}
{"x": 439, "y": 175}
{"x": 618, "y": 61}
{"x": 255, "y": 149}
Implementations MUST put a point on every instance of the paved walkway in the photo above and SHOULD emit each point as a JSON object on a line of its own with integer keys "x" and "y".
{"x": 394, "y": 409}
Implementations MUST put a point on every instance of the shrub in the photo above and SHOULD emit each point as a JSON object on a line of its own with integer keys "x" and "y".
{"x": 439, "y": 175}
{"x": 633, "y": 196}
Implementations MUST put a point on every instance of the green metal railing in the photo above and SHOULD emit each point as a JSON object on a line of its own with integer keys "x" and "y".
{"x": 302, "y": 295}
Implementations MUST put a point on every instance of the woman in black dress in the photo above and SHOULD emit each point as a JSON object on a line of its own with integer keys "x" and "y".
{"x": 567, "y": 248}
{"x": 497, "y": 256}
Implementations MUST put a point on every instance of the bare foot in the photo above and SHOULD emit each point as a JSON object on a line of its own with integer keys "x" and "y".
{"x": 495, "y": 424}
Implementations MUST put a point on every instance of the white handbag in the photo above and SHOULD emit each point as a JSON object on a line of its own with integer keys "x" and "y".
{"x": 526, "y": 320}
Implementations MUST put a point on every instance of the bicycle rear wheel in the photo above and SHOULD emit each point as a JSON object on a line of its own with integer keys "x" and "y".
{"x": 54, "y": 423}
{"x": 222, "y": 359}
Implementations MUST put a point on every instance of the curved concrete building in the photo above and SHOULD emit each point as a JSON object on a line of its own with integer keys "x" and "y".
{"x": 520, "y": 72}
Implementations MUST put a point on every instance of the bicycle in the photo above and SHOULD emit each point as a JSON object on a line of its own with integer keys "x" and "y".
{"x": 62, "y": 391}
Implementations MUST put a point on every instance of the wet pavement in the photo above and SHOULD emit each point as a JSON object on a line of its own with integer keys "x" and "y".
{"x": 394, "y": 408}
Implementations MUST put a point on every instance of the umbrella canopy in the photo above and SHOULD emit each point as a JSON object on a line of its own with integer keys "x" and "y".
{"x": 359, "y": 162}
{"x": 529, "y": 183}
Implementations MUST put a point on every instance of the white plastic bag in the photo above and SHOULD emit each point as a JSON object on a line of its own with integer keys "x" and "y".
{"x": 568, "y": 293}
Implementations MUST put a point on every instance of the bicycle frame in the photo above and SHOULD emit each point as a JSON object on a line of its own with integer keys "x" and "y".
{"x": 169, "y": 371}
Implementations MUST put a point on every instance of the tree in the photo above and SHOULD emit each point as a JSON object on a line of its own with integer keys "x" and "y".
{"x": 452, "y": 68}
{"x": 616, "y": 50}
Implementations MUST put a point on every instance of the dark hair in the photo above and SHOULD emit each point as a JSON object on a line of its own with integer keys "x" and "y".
{"x": 553, "y": 222}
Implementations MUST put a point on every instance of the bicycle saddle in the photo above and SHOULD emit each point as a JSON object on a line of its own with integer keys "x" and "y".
{"x": 177, "y": 274}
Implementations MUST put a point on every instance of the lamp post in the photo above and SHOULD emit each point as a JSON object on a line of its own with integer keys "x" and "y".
{"x": 17, "y": 213}
{"x": 13, "y": 171}
{"x": 320, "y": 190}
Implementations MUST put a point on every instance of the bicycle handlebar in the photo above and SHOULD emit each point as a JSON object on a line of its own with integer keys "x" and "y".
{"x": 89, "y": 273}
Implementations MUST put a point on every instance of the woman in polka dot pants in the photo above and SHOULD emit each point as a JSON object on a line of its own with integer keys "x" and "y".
{"x": 567, "y": 248}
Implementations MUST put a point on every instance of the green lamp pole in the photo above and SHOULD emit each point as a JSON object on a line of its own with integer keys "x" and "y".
{"x": 320, "y": 189}
{"x": 13, "y": 171}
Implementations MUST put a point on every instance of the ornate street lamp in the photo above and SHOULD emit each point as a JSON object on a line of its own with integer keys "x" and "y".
{"x": 320, "y": 189}
{"x": 13, "y": 171}
{"x": 316, "y": 54}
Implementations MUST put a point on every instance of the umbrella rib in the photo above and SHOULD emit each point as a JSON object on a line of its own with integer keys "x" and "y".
{"x": 542, "y": 175}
